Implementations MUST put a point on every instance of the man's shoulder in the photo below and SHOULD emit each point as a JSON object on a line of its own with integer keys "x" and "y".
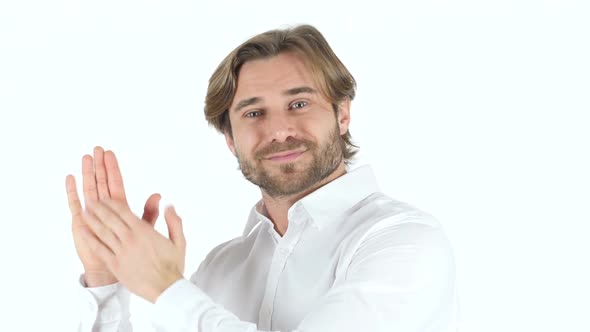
{"x": 387, "y": 221}
{"x": 385, "y": 227}
{"x": 380, "y": 208}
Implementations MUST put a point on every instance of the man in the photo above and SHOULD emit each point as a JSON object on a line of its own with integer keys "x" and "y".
{"x": 323, "y": 250}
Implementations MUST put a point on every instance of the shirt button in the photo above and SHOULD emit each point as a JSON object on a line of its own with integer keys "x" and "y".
{"x": 284, "y": 251}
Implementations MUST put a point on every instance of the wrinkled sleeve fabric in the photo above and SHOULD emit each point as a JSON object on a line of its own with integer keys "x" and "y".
{"x": 400, "y": 278}
{"x": 104, "y": 309}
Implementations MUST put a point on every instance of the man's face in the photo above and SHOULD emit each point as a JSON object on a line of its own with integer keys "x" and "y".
{"x": 286, "y": 135}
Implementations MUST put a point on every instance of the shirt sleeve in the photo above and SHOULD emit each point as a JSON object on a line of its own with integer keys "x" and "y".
{"x": 104, "y": 309}
{"x": 400, "y": 278}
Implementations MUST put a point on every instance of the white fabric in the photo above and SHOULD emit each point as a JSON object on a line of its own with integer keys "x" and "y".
{"x": 352, "y": 259}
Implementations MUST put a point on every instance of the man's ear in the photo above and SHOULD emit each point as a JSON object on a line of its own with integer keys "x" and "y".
{"x": 229, "y": 140}
{"x": 343, "y": 115}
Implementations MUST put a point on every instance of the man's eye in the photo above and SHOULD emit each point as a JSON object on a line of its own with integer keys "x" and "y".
{"x": 252, "y": 114}
{"x": 298, "y": 104}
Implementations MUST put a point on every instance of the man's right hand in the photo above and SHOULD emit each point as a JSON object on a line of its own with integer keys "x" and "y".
{"x": 101, "y": 179}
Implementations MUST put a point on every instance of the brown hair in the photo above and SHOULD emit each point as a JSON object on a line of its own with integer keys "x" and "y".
{"x": 333, "y": 79}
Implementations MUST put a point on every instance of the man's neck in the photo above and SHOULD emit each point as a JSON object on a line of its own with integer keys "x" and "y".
{"x": 278, "y": 208}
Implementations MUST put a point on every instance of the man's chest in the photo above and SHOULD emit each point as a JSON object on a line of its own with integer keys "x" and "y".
{"x": 272, "y": 284}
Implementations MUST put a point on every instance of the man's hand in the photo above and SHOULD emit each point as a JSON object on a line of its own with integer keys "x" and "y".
{"x": 101, "y": 178}
{"x": 141, "y": 258}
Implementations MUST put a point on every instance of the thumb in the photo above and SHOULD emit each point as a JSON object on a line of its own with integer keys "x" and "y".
{"x": 151, "y": 210}
{"x": 174, "y": 223}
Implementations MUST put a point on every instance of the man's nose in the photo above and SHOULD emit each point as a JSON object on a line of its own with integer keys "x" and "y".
{"x": 280, "y": 128}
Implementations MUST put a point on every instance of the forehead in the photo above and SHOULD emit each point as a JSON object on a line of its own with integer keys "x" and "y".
{"x": 280, "y": 72}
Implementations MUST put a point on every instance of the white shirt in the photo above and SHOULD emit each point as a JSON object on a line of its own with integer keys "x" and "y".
{"x": 352, "y": 259}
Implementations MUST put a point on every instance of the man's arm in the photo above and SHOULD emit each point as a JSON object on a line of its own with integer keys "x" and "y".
{"x": 401, "y": 278}
{"x": 104, "y": 309}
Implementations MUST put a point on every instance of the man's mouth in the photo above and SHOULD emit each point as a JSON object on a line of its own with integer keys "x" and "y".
{"x": 286, "y": 155}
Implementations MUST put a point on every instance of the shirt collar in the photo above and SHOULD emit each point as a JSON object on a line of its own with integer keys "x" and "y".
{"x": 328, "y": 203}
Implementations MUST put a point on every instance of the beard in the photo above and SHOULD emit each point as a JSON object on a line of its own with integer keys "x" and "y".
{"x": 292, "y": 178}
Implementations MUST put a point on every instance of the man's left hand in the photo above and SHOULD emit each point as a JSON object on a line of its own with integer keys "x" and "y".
{"x": 141, "y": 258}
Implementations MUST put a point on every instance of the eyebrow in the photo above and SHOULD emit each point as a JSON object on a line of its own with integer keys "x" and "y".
{"x": 298, "y": 90}
{"x": 247, "y": 102}
{"x": 291, "y": 92}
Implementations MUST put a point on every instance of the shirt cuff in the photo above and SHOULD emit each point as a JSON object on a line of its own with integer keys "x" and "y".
{"x": 178, "y": 307}
{"x": 104, "y": 304}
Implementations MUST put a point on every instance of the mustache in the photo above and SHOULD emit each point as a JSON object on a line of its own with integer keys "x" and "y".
{"x": 285, "y": 146}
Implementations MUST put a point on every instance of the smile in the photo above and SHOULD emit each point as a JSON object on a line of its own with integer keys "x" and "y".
{"x": 286, "y": 156}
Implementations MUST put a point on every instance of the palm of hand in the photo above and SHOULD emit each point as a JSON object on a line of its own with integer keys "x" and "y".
{"x": 101, "y": 180}
{"x": 90, "y": 262}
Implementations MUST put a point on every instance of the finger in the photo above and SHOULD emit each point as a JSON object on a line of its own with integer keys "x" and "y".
{"x": 101, "y": 174}
{"x": 174, "y": 223}
{"x": 114, "y": 177}
{"x": 151, "y": 210}
{"x": 96, "y": 246}
{"x": 88, "y": 180}
{"x": 121, "y": 211}
{"x": 109, "y": 219}
{"x": 73, "y": 199}
{"x": 103, "y": 233}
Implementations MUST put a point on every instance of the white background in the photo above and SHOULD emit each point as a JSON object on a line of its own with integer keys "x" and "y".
{"x": 473, "y": 111}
